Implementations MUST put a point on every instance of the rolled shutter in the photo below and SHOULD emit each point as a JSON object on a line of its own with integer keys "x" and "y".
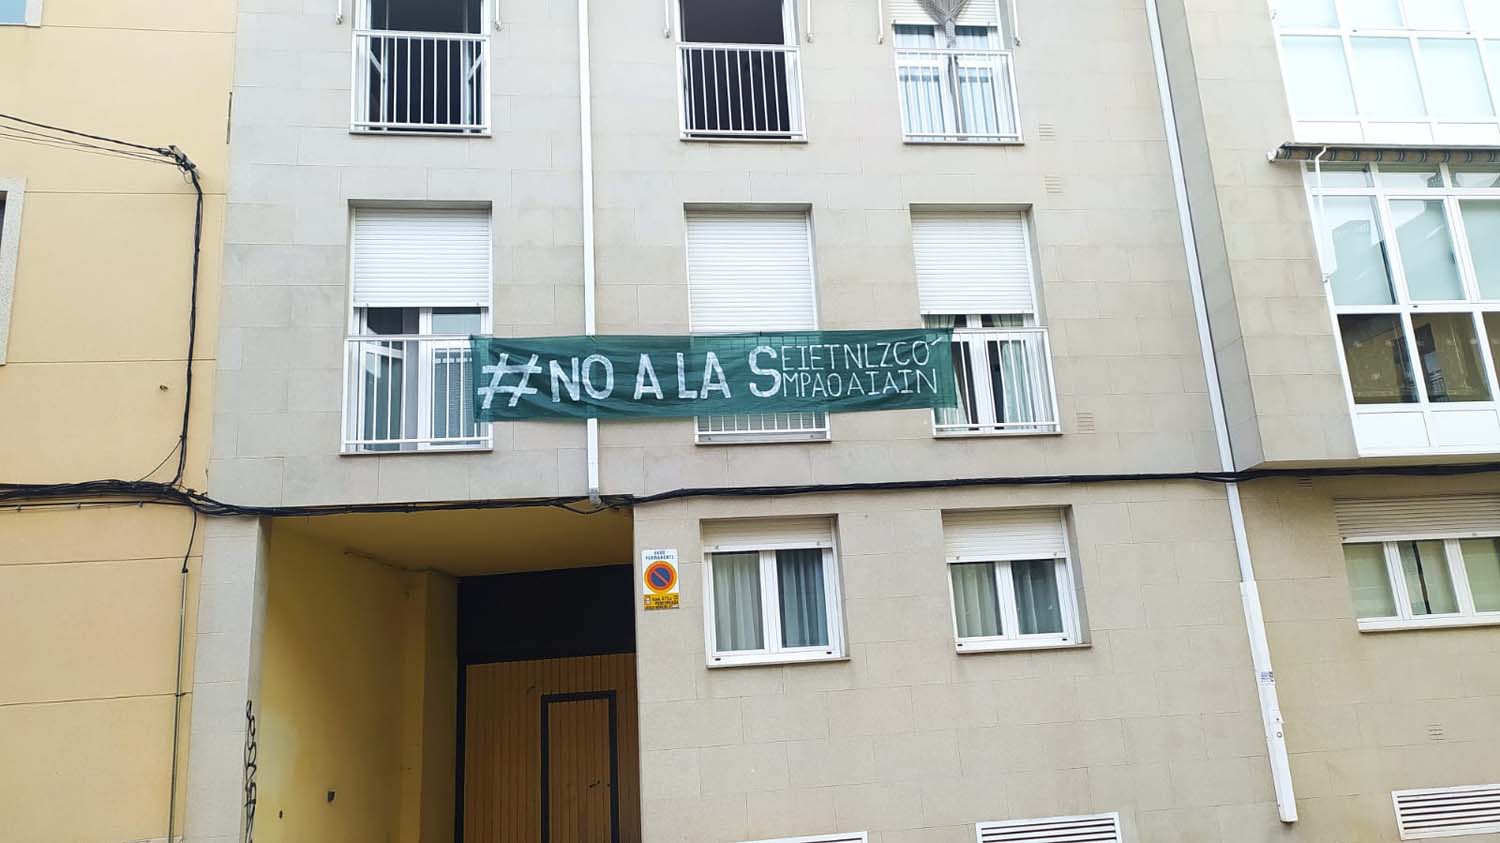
{"x": 973, "y": 262}
{"x": 1004, "y": 535}
{"x": 749, "y": 271}
{"x": 421, "y": 257}
{"x": 1452, "y": 516}
{"x": 977, "y": 13}
{"x": 766, "y": 534}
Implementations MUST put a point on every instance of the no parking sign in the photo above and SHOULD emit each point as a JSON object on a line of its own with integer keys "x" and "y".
{"x": 659, "y": 587}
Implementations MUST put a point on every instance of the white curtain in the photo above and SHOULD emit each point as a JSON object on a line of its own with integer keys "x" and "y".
{"x": 1013, "y": 375}
{"x": 737, "y": 611}
{"x": 976, "y": 601}
{"x": 1037, "y": 606}
{"x": 804, "y": 606}
{"x": 960, "y": 414}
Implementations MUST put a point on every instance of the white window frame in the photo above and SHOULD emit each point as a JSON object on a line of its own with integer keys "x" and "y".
{"x": 994, "y": 57}
{"x": 1010, "y": 624}
{"x": 1473, "y": 303}
{"x": 32, "y": 16}
{"x": 1458, "y": 573}
{"x": 1428, "y": 130}
{"x": 791, "y": 47}
{"x": 976, "y": 338}
{"x": 770, "y": 607}
{"x": 13, "y": 190}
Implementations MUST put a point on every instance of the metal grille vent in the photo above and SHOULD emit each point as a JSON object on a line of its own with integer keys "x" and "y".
{"x": 1448, "y": 811}
{"x": 860, "y": 837}
{"x": 1098, "y": 828}
{"x": 1053, "y": 184}
{"x": 1085, "y": 422}
{"x": 1046, "y": 131}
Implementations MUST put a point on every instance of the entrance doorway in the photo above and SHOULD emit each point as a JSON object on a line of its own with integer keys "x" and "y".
{"x": 580, "y": 768}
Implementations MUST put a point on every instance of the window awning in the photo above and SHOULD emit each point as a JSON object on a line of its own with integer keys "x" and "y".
{"x": 1376, "y": 154}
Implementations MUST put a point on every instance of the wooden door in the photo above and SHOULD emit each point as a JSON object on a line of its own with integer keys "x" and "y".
{"x": 580, "y": 801}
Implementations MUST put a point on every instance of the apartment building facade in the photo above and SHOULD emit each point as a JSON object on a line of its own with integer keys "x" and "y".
{"x": 96, "y": 277}
{"x": 423, "y": 627}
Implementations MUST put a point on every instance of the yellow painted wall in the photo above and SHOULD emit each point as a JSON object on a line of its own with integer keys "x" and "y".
{"x": 93, "y": 388}
{"x": 357, "y": 697}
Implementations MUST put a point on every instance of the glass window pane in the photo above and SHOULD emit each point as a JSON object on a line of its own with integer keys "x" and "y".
{"x": 456, "y": 321}
{"x": 1317, "y": 77}
{"x": 1492, "y": 327}
{"x": 1373, "y": 14}
{"x": 1353, "y": 242}
{"x": 1386, "y": 77}
{"x": 1451, "y": 360}
{"x": 1339, "y": 175}
{"x": 1369, "y": 581}
{"x": 1437, "y": 14}
{"x": 12, "y": 11}
{"x": 976, "y": 600}
{"x": 1429, "y": 587}
{"x": 1297, "y": 13}
{"x": 1477, "y": 175}
{"x": 1456, "y": 88}
{"x": 1482, "y": 562}
{"x": 1379, "y": 367}
{"x": 1037, "y": 608}
{"x": 914, "y": 36}
{"x": 1484, "y": 17}
{"x": 804, "y": 603}
{"x": 1482, "y": 227}
{"x": 737, "y": 610}
{"x": 1410, "y": 177}
{"x": 1426, "y": 250}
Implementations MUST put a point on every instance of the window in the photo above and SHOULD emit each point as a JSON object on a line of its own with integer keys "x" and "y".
{"x": 12, "y": 192}
{"x": 739, "y": 70}
{"x": 1422, "y": 562}
{"x": 21, "y": 12}
{"x": 421, "y": 66}
{"x": 975, "y": 275}
{"x": 1011, "y": 578}
{"x": 772, "y": 592}
{"x": 1412, "y": 257}
{"x": 1391, "y": 71}
{"x": 752, "y": 271}
{"x": 421, "y": 287}
{"x": 956, "y": 84}
{"x": 1096, "y": 828}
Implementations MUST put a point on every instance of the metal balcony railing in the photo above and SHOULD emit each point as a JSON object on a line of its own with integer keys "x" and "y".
{"x": 1005, "y": 383}
{"x": 741, "y": 91}
{"x": 954, "y": 96}
{"x": 421, "y": 82}
{"x": 409, "y": 393}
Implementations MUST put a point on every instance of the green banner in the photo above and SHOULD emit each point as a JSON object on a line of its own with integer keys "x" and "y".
{"x": 662, "y": 377}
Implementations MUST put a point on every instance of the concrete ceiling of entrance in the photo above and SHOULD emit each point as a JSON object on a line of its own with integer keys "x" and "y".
{"x": 473, "y": 542}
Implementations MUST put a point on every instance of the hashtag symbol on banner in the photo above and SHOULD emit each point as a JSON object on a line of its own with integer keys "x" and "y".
{"x": 498, "y": 373}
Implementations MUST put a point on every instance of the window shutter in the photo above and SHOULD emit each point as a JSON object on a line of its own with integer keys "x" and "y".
{"x": 1384, "y": 519}
{"x": 977, "y": 13}
{"x": 1004, "y": 535}
{"x": 1448, "y": 811}
{"x": 766, "y": 534}
{"x": 749, "y": 271}
{"x": 421, "y": 257}
{"x": 1099, "y": 828}
{"x": 973, "y": 262}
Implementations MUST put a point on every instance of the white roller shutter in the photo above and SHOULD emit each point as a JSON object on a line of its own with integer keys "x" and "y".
{"x": 766, "y": 534}
{"x": 973, "y": 262}
{"x": 1451, "y": 516}
{"x": 749, "y": 271}
{"x": 1004, "y": 535}
{"x": 977, "y": 13}
{"x": 421, "y": 257}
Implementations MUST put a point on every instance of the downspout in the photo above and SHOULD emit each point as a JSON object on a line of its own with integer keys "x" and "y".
{"x": 586, "y": 144}
{"x": 1260, "y": 650}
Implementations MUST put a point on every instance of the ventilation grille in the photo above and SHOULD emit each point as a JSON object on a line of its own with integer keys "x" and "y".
{"x": 1452, "y": 516}
{"x": 1085, "y": 422}
{"x": 1046, "y": 131}
{"x": 1052, "y": 184}
{"x": 860, "y": 837}
{"x": 1448, "y": 811}
{"x": 1099, "y": 828}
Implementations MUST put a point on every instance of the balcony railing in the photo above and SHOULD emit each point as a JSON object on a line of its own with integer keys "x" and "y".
{"x": 1004, "y": 383}
{"x": 955, "y": 96}
{"x": 741, "y": 91}
{"x": 409, "y": 393}
{"x": 421, "y": 82}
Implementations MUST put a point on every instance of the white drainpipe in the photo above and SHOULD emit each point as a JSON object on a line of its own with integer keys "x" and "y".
{"x": 1260, "y": 651}
{"x": 586, "y": 143}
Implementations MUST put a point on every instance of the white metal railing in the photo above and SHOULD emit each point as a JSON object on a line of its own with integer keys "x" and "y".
{"x": 957, "y": 96}
{"x": 409, "y": 393}
{"x": 740, "y": 91}
{"x": 1005, "y": 383}
{"x": 421, "y": 82}
{"x": 763, "y": 427}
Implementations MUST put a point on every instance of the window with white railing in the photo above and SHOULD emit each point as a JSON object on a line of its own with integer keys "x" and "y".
{"x": 975, "y": 275}
{"x": 1392, "y": 71}
{"x": 421, "y": 66}
{"x": 421, "y": 288}
{"x": 739, "y": 70}
{"x": 955, "y": 90}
